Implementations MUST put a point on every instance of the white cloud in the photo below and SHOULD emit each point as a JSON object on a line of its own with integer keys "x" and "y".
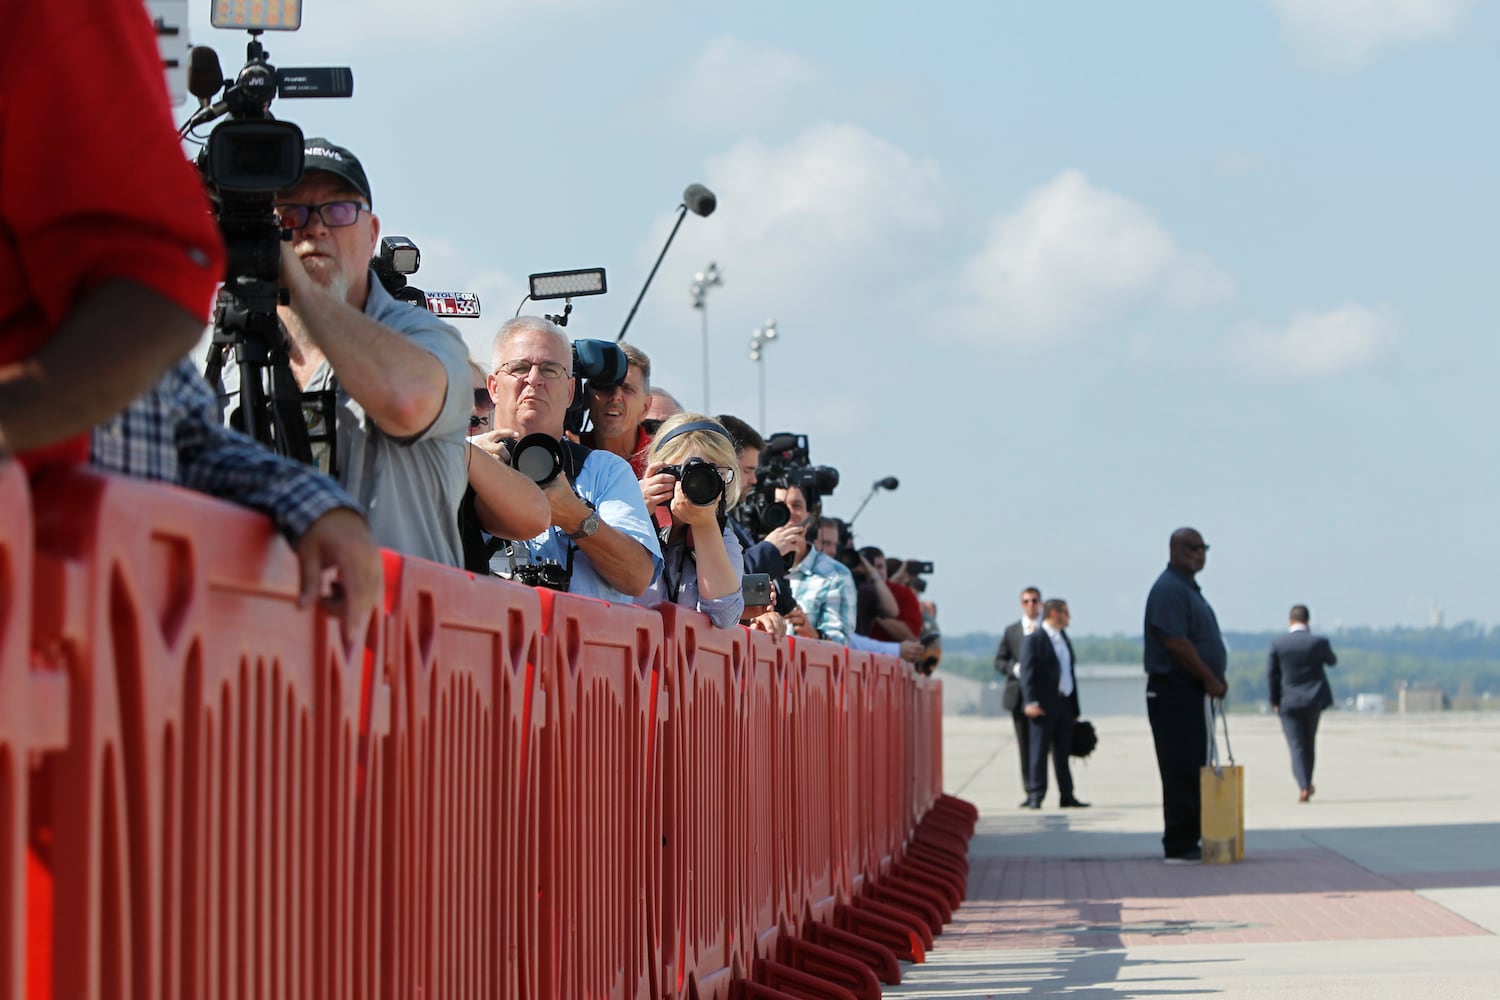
{"x": 1315, "y": 343}
{"x": 1344, "y": 35}
{"x": 734, "y": 85}
{"x": 817, "y": 219}
{"x": 1071, "y": 256}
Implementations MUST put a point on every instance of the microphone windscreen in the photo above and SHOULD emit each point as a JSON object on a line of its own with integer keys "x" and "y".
{"x": 205, "y": 76}
{"x": 699, "y": 200}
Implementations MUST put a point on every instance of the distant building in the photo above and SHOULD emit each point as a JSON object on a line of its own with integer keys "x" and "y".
{"x": 1416, "y": 700}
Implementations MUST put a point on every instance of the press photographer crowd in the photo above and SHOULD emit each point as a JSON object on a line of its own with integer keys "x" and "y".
{"x": 335, "y": 401}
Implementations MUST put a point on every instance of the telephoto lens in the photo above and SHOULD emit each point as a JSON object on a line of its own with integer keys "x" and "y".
{"x": 700, "y": 481}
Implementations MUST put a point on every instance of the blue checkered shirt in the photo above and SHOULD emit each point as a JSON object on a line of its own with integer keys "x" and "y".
{"x": 825, "y": 591}
{"x": 172, "y": 434}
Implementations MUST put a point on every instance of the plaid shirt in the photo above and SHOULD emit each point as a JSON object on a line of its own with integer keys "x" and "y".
{"x": 172, "y": 434}
{"x": 825, "y": 590}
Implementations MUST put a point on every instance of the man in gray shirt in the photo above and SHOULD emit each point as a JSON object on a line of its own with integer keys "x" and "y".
{"x": 399, "y": 376}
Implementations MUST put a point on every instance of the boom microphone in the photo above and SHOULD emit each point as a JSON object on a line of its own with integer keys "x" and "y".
{"x": 206, "y": 76}
{"x": 696, "y": 199}
{"x": 699, "y": 200}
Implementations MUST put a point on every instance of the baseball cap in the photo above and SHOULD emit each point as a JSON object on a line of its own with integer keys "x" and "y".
{"x": 320, "y": 154}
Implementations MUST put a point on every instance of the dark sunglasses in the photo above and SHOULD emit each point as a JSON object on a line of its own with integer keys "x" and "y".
{"x": 1198, "y": 547}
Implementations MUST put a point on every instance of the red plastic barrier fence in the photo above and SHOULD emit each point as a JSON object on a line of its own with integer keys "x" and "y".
{"x": 508, "y": 792}
{"x": 208, "y": 810}
{"x": 704, "y": 805}
{"x": 819, "y": 753}
{"x": 600, "y": 875}
{"x": 33, "y": 718}
{"x": 461, "y": 821}
{"x": 768, "y": 776}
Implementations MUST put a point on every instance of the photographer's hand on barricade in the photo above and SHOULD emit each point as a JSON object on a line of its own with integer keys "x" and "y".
{"x": 912, "y": 650}
{"x": 658, "y": 488}
{"x": 768, "y": 621}
{"x": 400, "y": 384}
{"x": 341, "y": 570}
{"x": 509, "y": 505}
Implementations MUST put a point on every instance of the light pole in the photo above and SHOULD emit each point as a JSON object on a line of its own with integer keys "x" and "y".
{"x": 758, "y": 342}
{"x": 702, "y": 282}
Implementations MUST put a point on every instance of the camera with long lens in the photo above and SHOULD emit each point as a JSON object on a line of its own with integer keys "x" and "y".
{"x": 700, "y": 479}
{"x": 785, "y": 462}
{"x": 245, "y": 161}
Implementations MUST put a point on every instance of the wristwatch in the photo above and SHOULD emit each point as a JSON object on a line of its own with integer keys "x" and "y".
{"x": 589, "y": 526}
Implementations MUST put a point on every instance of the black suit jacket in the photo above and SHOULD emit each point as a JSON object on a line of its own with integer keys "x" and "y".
{"x": 1006, "y": 657}
{"x": 1294, "y": 671}
{"x": 1041, "y": 672}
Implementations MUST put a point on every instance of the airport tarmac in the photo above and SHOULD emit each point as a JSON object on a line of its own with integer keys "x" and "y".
{"x": 1385, "y": 885}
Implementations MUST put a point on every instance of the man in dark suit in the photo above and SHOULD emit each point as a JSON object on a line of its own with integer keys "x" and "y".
{"x": 1008, "y": 664}
{"x": 1049, "y": 692}
{"x": 1299, "y": 692}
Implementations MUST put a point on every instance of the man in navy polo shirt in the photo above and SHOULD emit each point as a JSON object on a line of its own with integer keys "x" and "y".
{"x": 1185, "y": 661}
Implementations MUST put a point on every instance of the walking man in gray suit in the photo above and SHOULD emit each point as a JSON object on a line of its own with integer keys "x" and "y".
{"x": 1300, "y": 692}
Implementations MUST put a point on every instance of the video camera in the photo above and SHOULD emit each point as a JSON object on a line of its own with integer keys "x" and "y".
{"x": 245, "y": 162}
{"x": 785, "y": 462}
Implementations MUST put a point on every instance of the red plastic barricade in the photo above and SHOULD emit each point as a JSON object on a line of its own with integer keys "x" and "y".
{"x": 767, "y": 776}
{"x": 864, "y": 795}
{"x": 33, "y": 718}
{"x": 459, "y": 914}
{"x": 819, "y": 754}
{"x": 212, "y": 807}
{"x": 600, "y": 875}
{"x": 704, "y": 805}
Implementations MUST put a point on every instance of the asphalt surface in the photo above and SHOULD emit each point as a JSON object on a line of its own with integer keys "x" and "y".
{"x": 1385, "y": 885}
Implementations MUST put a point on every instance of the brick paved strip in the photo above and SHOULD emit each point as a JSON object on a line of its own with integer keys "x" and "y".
{"x": 1273, "y": 896}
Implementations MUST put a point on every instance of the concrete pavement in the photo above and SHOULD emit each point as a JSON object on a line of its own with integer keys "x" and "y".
{"x": 1386, "y": 885}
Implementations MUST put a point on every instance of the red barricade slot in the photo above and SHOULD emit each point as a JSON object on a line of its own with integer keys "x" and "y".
{"x": 600, "y": 879}
{"x": 33, "y": 718}
{"x": 820, "y": 756}
{"x": 766, "y": 759}
{"x": 461, "y": 825}
{"x": 704, "y": 818}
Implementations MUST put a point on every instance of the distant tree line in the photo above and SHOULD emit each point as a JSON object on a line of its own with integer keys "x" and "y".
{"x": 1463, "y": 661}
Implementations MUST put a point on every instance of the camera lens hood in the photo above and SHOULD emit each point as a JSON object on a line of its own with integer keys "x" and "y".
{"x": 538, "y": 457}
{"x": 700, "y": 482}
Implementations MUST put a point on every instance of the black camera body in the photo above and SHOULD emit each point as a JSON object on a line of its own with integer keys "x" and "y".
{"x": 598, "y": 363}
{"x": 548, "y": 574}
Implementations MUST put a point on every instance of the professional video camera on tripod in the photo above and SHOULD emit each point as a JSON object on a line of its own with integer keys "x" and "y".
{"x": 245, "y": 162}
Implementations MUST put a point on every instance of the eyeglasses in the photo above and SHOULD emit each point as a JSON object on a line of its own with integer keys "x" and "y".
{"x": 335, "y": 214}
{"x": 1031, "y": 600}
{"x": 1195, "y": 546}
{"x": 520, "y": 368}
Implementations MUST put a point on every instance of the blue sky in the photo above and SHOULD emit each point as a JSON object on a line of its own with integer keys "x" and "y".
{"x": 1076, "y": 273}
